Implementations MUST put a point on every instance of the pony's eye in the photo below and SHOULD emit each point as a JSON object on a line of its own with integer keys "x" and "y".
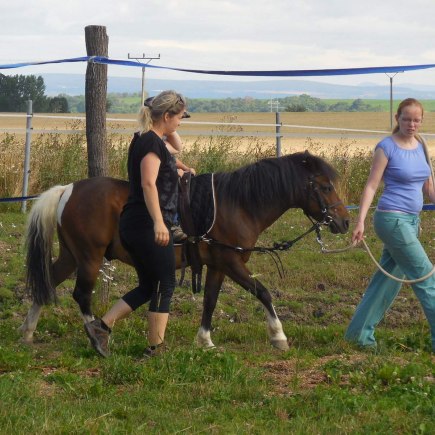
{"x": 327, "y": 189}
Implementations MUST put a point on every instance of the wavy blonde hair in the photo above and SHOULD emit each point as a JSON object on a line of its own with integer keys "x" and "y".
{"x": 166, "y": 102}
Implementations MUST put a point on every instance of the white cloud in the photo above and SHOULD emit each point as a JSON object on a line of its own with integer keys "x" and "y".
{"x": 236, "y": 34}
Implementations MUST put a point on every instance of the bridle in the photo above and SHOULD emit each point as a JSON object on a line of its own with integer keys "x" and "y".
{"x": 314, "y": 188}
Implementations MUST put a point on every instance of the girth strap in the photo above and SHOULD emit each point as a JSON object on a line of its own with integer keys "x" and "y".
{"x": 192, "y": 247}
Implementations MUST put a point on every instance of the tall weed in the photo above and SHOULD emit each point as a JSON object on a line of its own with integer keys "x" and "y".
{"x": 352, "y": 164}
{"x": 223, "y": 152}
{"x": 57, "y": 158}
{"x": 11, "y": 165}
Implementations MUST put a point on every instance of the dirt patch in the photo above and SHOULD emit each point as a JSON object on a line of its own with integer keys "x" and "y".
{"x": 295, "y": 376}
{"x": 290, "y": 376}
{"x": 4, "y": 248}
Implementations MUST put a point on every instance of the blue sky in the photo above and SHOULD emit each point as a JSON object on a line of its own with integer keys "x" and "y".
{"x": 226, "y": 35}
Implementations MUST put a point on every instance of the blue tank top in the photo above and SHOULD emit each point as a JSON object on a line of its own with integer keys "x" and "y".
{"x": 404, "y": 176}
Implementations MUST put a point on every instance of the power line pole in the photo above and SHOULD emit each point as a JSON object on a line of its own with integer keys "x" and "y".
{"x": 273, "y": 104}
{"x": 391, "y": 97}
{"x": 148, "y": 59}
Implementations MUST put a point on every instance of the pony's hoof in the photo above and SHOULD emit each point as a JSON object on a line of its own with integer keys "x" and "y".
{"x": 280, "y": 344}
{"x": 203, "y": 339}
{"x": 28, "y": 341}
{"x": 205, "y": 345}
{"x": 27, "y": 337}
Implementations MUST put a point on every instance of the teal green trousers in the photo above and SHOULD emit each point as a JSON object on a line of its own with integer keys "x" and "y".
{"x": 402, "y": 256}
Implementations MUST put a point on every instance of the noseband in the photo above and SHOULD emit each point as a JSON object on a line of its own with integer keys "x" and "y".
{"x": 314, "y": 191}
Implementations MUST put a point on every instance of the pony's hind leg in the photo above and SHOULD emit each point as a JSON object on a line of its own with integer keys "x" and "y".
{"x": 212, "y": 287}
{"x": 87, "y": 274}
{"x": 240, "y": 274}
{"x": 62, "y": 268}
{"x": 30, "y": 323}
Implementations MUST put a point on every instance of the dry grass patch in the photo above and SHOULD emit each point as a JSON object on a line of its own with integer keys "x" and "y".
{"x": 291, "y": 376}
{"x": 199, "y": 126}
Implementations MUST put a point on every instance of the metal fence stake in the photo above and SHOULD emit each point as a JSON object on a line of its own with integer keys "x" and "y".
{"x": 27, "y": 154}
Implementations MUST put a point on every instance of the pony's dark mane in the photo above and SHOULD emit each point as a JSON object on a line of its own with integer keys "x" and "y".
{"x": 259, "y": 184}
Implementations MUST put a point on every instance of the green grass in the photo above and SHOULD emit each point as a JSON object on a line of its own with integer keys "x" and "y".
{"x": 321, "y": 385}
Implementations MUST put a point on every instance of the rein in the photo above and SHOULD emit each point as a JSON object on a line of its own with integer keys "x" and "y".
{"x": 282, "y": 246}
{"x": 273, "y": 250}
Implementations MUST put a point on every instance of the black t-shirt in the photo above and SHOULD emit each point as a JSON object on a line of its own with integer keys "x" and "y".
{"x": 166, "y": 182}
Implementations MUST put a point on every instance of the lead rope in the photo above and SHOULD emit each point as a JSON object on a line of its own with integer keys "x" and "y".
{"x": 405, "y": 281}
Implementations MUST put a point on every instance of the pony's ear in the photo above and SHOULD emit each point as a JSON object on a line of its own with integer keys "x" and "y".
{"x": 306, "y": 159}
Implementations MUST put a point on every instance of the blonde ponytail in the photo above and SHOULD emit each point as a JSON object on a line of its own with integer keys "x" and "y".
{"x": 155, "y": 107}
{"x": 144, "y": 119}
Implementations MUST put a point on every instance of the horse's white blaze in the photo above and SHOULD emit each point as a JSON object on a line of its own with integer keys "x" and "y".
{"x": 274, "y": 328}
{"x": 63, "y": 200}
{"x": 203, "y": 338}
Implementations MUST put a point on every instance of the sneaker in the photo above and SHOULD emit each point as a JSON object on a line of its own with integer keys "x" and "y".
{"x": 156, "y": 350}
{"x": 178, "y": 234}
{"x": 99, "y": 336}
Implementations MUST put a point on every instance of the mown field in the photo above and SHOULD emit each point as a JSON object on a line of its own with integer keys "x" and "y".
{"x": 298, "y": 130}
{"x": 321, "y": 385}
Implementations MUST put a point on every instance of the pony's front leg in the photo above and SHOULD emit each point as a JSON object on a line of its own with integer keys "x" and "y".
{"x": 241, "y": 275}
{"x": 213, "y": 283}
{"x": 274, "y": 330}
{"x": 29, "y": 325}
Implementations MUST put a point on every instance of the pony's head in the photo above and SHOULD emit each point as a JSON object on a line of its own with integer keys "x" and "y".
{"x": 322, "y": 202}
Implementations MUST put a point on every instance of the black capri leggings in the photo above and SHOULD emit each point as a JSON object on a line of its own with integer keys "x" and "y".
{"x": 155, "y": 267}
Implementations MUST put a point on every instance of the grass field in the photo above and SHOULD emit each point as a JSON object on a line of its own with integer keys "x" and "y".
{"x": 322, "y": 385}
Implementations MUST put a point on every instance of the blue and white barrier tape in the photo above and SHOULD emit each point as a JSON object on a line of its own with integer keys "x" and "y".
{"x": 276, "y": 73}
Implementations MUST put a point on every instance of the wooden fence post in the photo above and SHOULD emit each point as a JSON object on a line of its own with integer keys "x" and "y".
{"x": 97, "y": 44}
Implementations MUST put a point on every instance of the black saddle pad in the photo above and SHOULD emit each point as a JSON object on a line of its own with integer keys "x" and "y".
{"x": 202, "y": 203}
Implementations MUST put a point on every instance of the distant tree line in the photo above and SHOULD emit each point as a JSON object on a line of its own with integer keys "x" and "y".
{"x": 300, "y": 103}
{"x": 305, "y": 103}
{"x": 130, "y": 103}
{"x": 16, "y": 90}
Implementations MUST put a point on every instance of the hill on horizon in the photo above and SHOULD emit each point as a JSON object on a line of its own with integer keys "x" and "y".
{"x": 74, "y": 84}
